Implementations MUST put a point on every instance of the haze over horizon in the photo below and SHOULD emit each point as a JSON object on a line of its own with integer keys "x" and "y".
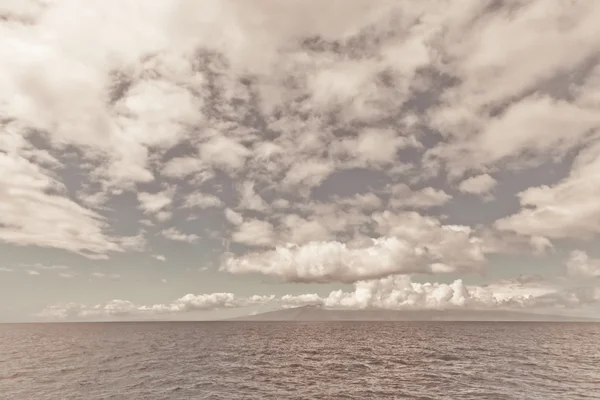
{"x": 208, "y": 159}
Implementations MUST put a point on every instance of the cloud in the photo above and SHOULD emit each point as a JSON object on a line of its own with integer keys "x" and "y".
{"x": 331, "y": 142}
{"x": 127, "y": 309}
{"x": 178, "y": 236}
{"x": 291, "y": 301}
{"x": 153, "y": 203}
{"x": 541, "y": 245}
{"x": 409, "y": 243}
{"x": 254, "y": 233}
{"x": 450, "y": 244}
{"x": 391, "y": 293}
{"x": 306, "y": 174}
{"x": 36, "y": 211}
{"x": 365, "y": 149}
{"x": 49, "y": 267}
{"x": 565, "y": 210}
{"x": 527, "y": 134}
{"x": 479, "y": 184}
{"x": 182, "y": 167}
{"x": 202, "y": 201}
{"x": 400, "y": 293}
{"x": 102, "y": 275}
{"x": 364, "y": 201}
{"x": 159, "y": 257}
{"x": 581, "y": 265}
{"x": 224, "y": 153}
{"x": 249, "y": 199}
{"x": 402, "y": 196}
{"x": 298, "y": 230}
{"x": 529, "y": 128}
{"x": 337, "y": 262}
{"x": 233, "y": 217}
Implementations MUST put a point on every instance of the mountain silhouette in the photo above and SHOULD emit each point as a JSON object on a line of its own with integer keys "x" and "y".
{"x": 318, "y": 313}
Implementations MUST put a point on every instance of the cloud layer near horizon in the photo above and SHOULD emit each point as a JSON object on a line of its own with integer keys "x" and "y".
{"x": 310, "y": 142}
{"x": 392, "y": 293}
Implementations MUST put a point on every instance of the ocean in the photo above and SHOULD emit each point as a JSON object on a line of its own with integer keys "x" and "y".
{"x": 300, "y": 360}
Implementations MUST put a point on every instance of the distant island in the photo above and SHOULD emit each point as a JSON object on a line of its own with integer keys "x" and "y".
{"x": 318, "y": 313}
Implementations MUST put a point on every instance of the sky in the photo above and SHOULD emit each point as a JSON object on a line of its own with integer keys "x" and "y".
{"x": 182, "y": 160}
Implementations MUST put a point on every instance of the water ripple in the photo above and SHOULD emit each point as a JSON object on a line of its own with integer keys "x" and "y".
{"x": 341, "y": 360}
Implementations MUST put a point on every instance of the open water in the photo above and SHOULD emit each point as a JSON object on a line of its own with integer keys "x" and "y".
{"x": 303, "y": 360}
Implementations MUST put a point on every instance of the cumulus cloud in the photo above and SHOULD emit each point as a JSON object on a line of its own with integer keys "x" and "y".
{"x": 337, "y": 262}
{"x": 410, "y": 243}
{"x": 528, "y": 128}
{"x": 153, "y": 203}
{"x": 402, "y": 196}
{"x": 159, "y": 257}
{"x": 233, "y": 217}
{"x": 364, "y": 201}
{"x": 298, "y": 230}
{"x": 127, "y": 309}
{"x": 178, "y": 236}
{"x": 566, "y": 209}
{"x": 224, "y": 153}
{"x": 249, "y": 199}
{"x": 309, "y": 299}
{"x": 254, "y": 233}
{"x": 182, "y": 167}
{"x": 365, "y": 149}
{"x": 479, "y": 184}
{"x": 581, "y": 265}
{"x": 391, "y": 293}
{"x": 400, "y": 293}
{"x": 202, "y": 200}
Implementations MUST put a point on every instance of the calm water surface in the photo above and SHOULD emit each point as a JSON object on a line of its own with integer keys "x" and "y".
{"x": 261, "y": 360}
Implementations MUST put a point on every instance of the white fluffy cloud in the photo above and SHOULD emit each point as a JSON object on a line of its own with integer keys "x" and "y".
{"x": 364, "y": 201}
{"x": 127, "y": 309}
{"x": 479, "y": 184}
{"x": 402, "y": 196}
{"x": 409, "y": 243}
{"x": 178, "y": 236}
{"x": 391, "y": 293}
{"x": 153, "y": 203}
{"x": 250, "y": 200}
{"x": 202, "y": 200}
{"x": 233, "y": 217}
{"x": 567, "y": 209}
{"x": 254, "y": 233}
{"x": 400, "y": 293}
{"x": 413, "y": 244}
{"x": 582, "y": 265}
{"x": 225, "y": 153}
{"x": 488, "y": 117}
